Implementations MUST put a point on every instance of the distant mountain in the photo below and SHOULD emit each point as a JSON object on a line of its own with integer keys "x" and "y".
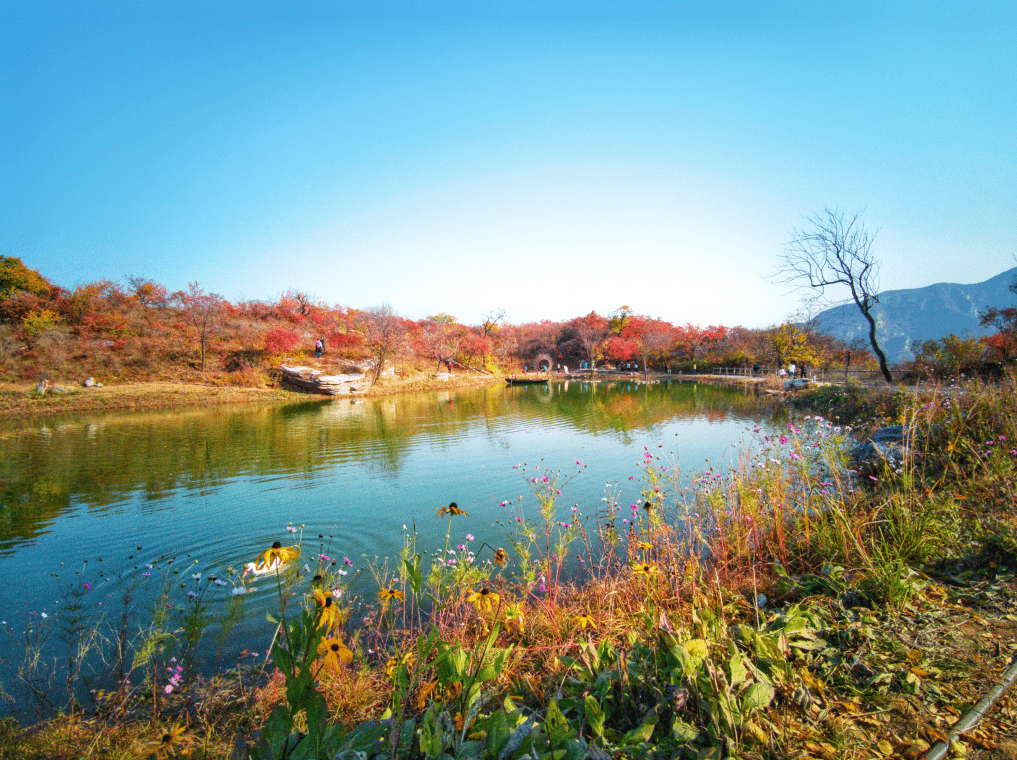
{"x": 907, "y": 318}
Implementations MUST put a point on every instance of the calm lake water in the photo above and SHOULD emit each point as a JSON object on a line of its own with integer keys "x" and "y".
{"x": 97, "y": 500}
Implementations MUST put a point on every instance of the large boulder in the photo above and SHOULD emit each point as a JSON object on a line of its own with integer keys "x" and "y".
{"x": 797, "y": 384}
{"x": 885, "y": 445}
{"x": 353, "y": 381}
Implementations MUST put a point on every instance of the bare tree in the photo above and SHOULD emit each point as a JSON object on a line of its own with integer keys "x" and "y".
{"x": 834, "y": 250}
{"x": 383, "y": 332}
{"x": 491, "y": 320}
{"x": 203, "y": 311}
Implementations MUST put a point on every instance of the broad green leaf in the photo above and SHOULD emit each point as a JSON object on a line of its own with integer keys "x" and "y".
{"x": 431, "y": 743}
{"x": 642, "y": 733}
{"x": 757, "y": 696}
{"x": 497, "y": 733}
{"x": 738, "y": 670}
{"x": 594, "y": 716}
{"x": 520, "y": 734}
{"x": 683, "y": 732}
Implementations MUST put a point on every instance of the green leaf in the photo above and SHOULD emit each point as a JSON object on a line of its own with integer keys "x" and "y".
{"x": 431, "y": 743}
{"x": 643, "y": 732}
{"x": 497, "y": 733}
{"x": 557, "y": 727}
{"x": 271, "y": 618}
{"x": 683, "y": 732}
{"x": 367, "y": 736}
{"x": 594, "y": 716}
{"x": 458, "y": 661}
{"x": 757, "y": 696}
{"x": 738, "y": 670}
{"x": 522, "y": 731}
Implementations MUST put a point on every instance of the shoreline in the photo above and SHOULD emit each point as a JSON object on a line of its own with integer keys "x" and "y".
{"x": 18, "y": 400}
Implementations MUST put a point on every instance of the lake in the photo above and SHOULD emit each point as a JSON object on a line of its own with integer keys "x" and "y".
{"x": 98, "y": 500}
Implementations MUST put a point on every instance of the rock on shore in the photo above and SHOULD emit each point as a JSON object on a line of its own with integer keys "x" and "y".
{"x": 353, "y": 381}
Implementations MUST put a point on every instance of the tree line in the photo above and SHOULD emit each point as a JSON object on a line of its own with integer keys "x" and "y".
{"x": 136, "y": 329}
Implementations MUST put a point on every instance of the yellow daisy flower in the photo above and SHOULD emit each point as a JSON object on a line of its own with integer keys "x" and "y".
{"x": 386, "y": 595}
{"x": 393, "y": 663}
{"x": 272, "y": 559}
{"x": 484, "y": 600}
{"x": 452, "y": 510}
{"x": 168, "y": 740}
{"x": 645, "y": 546}
{"x": 644, "y": 569}
{"x": 334, "y": 652}
{"x": 328, "y": 613}
{"x": 584, "y": 620}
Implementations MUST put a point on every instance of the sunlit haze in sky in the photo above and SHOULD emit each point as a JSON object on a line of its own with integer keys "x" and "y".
{"x": 545, "y": 157}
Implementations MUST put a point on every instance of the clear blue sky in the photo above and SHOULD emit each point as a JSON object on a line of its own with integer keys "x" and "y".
{"x": 549, "y": 158}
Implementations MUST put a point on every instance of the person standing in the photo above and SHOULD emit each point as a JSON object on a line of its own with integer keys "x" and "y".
{"x": 317, "y": 348}
{"x": 791, "y": 369}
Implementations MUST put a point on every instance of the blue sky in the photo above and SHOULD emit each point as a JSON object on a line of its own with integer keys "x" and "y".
{"x": 548, "y": 158}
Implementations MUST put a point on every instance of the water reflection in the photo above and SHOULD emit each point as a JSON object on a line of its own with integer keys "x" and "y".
{"x": 97, "y": 464}
{"x": 100, "y": 499}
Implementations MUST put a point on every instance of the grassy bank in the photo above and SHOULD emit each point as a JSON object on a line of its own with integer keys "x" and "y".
{"x": 799, "y": 604}
{"x": 22, "y": 400}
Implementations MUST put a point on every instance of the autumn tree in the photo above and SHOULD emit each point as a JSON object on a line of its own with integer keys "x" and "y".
{"x": 692, "y": 340}
{"x": 491, "y": 320}
{"x": 618, "y": 319}
{"x": 949, "y": 356}
{"x": 15, "y": 277}
{"x": 384, "y": 334}
{"x": 652, "y": 338}
{"x": 148, "y": 293}
{"x": 590, "y": 331}
{"x": 790, "y": 343}
{"x": 1004, "y": 320}
{"x": 833, "y": 250}
{"x": 441, "y": 336}
{"x": 618, "y": 349}
{"x": 85, "y": 299}
{"x": 202, "y": 311}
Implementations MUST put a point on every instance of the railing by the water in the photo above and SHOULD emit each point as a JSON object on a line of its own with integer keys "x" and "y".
{"x": 833, "y": 376}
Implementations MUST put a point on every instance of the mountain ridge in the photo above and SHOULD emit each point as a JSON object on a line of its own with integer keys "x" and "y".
{"x": 908, "y": 317}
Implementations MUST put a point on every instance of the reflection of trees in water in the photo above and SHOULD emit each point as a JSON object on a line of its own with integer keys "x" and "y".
{"x": 622, "y": 407}
{"x": 98, "y": 463}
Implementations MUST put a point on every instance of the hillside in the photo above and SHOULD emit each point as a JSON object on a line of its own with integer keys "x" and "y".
{"x": 906, "y": 318}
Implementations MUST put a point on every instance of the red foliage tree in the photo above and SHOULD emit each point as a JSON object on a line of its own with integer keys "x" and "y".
{"x": 279, "y": 340}
{"x": 591, "y": 331}
{"x": 617, "y": 349}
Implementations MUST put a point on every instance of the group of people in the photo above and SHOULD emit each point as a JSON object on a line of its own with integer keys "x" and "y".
{"x": 794, "y": 371}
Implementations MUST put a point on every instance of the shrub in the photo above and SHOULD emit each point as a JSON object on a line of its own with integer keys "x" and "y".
{"x": 279, "y": 340}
